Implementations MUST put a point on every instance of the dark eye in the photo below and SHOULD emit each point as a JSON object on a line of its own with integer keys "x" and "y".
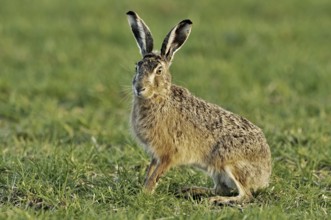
{"x": 159, "y": 70}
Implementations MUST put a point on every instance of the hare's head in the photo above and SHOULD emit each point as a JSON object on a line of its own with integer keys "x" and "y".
{"x": 152, "y": 76}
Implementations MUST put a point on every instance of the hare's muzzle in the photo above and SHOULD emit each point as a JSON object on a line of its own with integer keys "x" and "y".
{"x": 138, "y": 90}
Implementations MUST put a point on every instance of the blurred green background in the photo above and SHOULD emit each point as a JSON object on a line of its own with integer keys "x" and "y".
{"x": 65, "y": 95}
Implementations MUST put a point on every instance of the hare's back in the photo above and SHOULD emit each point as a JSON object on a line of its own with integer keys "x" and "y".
{"x": 209, "y": 117}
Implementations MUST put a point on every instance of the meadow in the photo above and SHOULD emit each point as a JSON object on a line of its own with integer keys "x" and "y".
{"x": 66, "y": 149}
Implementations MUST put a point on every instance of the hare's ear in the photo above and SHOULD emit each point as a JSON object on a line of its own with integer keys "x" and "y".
{"x": 141, "y": 32}
{"x": 175, "y": 39}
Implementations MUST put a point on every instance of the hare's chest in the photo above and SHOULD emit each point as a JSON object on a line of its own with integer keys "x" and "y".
{"x": 143, "y": 128}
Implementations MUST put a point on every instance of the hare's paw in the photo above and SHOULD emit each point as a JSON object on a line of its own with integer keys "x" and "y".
{"x": 229, "y": 200}
{"x": 195, "y": 192}
{"x": 222, "y": 200}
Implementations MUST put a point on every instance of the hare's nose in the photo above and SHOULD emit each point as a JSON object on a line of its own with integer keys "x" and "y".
{"x": 138, "y": 90}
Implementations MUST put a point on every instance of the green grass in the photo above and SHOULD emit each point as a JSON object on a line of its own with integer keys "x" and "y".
{"x": 65, "y": 72}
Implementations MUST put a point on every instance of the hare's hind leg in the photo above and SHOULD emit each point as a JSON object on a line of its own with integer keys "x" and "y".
{"x": 223, "y": 187}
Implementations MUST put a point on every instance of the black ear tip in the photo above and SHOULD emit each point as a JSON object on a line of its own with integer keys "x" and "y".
{"x": 131, "y": 13}
{"x": 187, "y": 21}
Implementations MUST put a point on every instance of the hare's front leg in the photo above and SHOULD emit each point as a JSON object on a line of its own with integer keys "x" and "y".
{"x": 161, "y": 166}
{"x": 150, "y": 169}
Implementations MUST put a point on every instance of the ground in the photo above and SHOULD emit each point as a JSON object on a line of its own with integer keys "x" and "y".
{"x": 65, "y": 95}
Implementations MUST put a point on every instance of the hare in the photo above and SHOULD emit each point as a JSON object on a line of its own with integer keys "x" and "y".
{"x": 177, "y": 128}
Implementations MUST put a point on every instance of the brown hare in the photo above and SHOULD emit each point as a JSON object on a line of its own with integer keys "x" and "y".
{"x": 177, "y": 128}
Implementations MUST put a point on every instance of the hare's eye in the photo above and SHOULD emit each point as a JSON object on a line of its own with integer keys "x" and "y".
{"x": 159, "y": 71}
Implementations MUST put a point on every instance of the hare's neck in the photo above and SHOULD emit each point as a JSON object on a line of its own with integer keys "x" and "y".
{"x": 153, "y": 104}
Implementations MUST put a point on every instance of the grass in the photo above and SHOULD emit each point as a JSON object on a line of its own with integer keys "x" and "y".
{"x": 65, "y": 75}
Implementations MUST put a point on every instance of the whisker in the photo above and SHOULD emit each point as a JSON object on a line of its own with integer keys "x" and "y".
{"x": 126, "y": 92}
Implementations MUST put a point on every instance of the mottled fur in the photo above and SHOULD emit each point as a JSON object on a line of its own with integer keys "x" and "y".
{"x": 178, "y": 128}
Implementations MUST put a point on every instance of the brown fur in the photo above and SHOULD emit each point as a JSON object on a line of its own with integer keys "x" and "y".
{"x": 178, "y": 128}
